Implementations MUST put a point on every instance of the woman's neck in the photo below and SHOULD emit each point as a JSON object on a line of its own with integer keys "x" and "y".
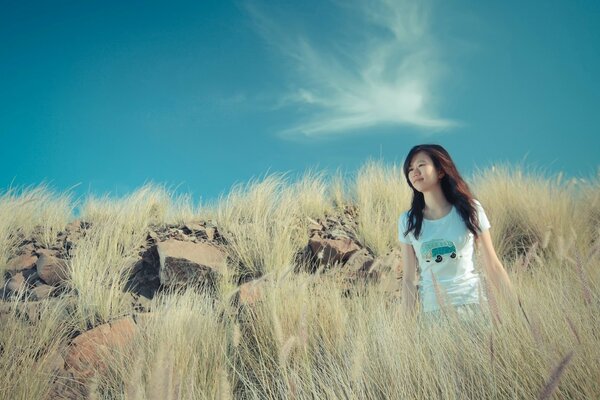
{"x": 436, "y": 204}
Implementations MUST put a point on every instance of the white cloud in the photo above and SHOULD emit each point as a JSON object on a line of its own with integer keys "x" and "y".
{"x": 388, "y": 77}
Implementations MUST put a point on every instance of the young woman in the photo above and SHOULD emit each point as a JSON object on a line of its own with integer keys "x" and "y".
{"x": 438, "y": 236}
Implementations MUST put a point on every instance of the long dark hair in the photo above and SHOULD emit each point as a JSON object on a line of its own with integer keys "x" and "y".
{"x": 455, "y": 189}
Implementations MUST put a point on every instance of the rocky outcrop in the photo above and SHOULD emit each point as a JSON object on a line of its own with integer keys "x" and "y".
{"x": 177, "y": 256}
{"x": 332, "y": 251}
{"x": 37, "y": 271}
{"x": 184, "y": 263}
{"x": 194, "y": 253}
{"x": 144, "y": 279}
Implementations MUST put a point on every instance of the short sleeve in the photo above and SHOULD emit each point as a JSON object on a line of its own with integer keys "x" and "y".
{"x": 402, "y": 224}
{"x": 484, "y": 223}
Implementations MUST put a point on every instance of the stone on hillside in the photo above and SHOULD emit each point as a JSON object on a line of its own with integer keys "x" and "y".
{"x": 330, "y": 251}
{"x": 144, "y": 277}
{"x": 52, "y": 270}
{"x": 24, "y": 261}
{"x": 193, "y": 227}
{"x": 16, "y": 283}
{"x": 359, "y": 263}
{"x": 73, "y": 226}
{"x": 42, "y": 292}
{"x": 27, "y": 247}
{"x": 211, "y": 232}
{"x": 386, "y": 266}
{"x": 314, "y": 227}
{"x": 84, "y": 357}
{"x": 187, "y": 262}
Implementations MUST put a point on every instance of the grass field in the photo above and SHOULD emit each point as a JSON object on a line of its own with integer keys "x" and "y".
{"x": 305, "y": 339}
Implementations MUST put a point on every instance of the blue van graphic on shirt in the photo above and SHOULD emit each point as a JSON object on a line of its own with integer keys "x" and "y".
{"x": 437, "y": 250}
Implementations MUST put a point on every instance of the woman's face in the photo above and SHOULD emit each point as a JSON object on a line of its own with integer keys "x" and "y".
{"x": 422, "y": 174}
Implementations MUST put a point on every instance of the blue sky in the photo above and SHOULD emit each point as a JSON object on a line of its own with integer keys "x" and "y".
{"x": 204, "y": 94}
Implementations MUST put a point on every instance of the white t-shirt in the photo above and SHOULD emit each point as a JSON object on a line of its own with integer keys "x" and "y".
{"x": 445, "y": 249}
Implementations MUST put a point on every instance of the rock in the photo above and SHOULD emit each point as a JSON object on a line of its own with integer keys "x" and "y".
{"x": 138, "y": 303}
{"x": 193, "y": 227}
{"x": 84, "y": 357}
{"x": 73, "y": 226}
{"x": 144, "y": 277}
{"x": 338, "y": 233}
{"x": 32, "y": 311}
{"x": 42, "y": 292}
{"x": 314, "y": 227}
{"x": 52, "y": 270}
{"x": 47, "y": 252}
{"x": 386, "y": 267}
{"x": 211, "y": 232}
{"x": 359, "y": 262}
{"x": 330, "y": 251}
{"x": 187, "y": 262}
{"x": 26, "y": 247}
{"x": 77, "y": 227}
{"x": 24, "y": 261}
{"x": 16, "y": 283}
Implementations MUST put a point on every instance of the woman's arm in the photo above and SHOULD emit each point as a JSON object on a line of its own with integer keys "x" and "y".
{"x": 494, "y": 270}
{"x": 409, "y": 279}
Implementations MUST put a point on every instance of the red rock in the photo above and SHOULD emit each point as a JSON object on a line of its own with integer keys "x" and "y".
{"x": 41, "y": 292}
{"x": 24, "y": 261}
{"x": 187, "y": 262}
{"x": 85, "y": 353}
{"x": 51, "y": 270}
{"x": 16, "y": 283}
{"x": 359, "y": 262}
{"x": 330, "y": 251}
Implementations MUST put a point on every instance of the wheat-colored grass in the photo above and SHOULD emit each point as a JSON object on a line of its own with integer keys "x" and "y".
{"x": 179, "y": 353}
{"x": 381, "y": 194}
{"x": 31, "y": 337}
{"x": 527, "y": 209}
{"x": 101, "y": 261}
{"x": 27, "y": 212}
{"x": 308, "y": 337}
{"x": 265, "y": 220}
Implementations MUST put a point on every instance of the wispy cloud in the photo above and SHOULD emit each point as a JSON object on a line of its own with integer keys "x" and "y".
{"x": 387, "y": 74}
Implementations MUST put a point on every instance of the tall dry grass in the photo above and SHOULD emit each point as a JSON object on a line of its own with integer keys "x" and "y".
{"x": 381, "y": 194}
{"x": 101, "y": 261}
{"x": 31, "y": 337}
{"x": 307, "y": 338}
{"x": 265, "y": 221}
{"x": 179, "y": 353}
{"x": 32, "y": 211}
{"x": 528, "y": 209}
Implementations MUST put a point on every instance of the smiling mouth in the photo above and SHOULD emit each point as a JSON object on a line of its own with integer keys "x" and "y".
{"x": 418, "y": 180}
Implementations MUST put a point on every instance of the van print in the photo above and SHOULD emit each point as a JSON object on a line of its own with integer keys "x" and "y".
{"x": 437, "y": 250}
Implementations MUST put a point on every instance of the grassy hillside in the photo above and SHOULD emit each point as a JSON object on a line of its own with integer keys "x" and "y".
{"x": 306, "y": 338}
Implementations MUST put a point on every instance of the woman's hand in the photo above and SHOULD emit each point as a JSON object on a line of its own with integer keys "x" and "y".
{"x": 409, "y": 279}
{"x": 494, "y": 270}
